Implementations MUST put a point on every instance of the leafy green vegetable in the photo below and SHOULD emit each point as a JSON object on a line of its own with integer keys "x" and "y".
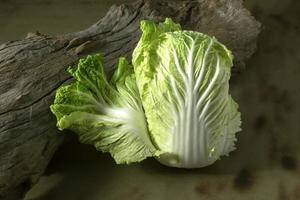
{"x": 106, "y": 114}
{"x": 173, "y": 104}
{"x": 183, "y": 80}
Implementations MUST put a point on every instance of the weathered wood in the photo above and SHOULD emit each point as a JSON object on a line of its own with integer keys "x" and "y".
{"x": 32, "y": 69}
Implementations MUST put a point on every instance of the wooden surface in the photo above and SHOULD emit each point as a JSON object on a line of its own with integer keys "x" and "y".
{"x": 32, "y": 69}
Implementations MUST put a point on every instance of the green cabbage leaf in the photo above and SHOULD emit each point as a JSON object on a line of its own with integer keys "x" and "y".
{"x": 183, "y": 80}
{"x": 106, "y": 114}
{"x": 172, "y": 104}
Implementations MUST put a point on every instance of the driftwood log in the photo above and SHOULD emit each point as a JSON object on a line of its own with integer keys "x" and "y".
{"x": 32, "y": 69}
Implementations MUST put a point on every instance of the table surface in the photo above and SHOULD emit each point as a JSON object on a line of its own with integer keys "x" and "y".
{"x": 265, "y": 165}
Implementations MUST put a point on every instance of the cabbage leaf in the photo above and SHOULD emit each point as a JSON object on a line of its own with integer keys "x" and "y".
{"x": 106, "y": 114}
{"x": 183, "y": 79}
{"x": 172, "y": 104}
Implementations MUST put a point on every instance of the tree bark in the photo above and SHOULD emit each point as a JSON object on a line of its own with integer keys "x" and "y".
{"x": 32, "y": 69}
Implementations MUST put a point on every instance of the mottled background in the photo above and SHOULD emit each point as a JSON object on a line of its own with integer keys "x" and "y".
{"x": 264, "y": 167}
